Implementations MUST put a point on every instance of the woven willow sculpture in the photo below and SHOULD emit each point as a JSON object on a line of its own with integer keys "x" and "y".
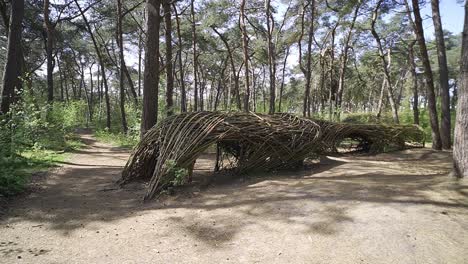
{"x": 255, "y": 141}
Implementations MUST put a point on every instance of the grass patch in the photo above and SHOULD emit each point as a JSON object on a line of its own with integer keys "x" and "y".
{"x": 117, "y": 139}
{"x": 16, "y": 170}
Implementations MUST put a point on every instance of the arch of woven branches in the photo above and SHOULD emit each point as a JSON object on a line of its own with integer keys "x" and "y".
{"x": 254, "y": 141}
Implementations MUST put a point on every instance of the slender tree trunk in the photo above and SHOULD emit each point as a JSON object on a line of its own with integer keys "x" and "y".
{"x": 140, "y": 53}
{"x": 169, "y": 75}
{"x": 122, "y": 66}
{"x": 101, "y": 62}
{"x": 271, "y": 56}
{"x": 445, "y": 125}
{"x": 381, "y": 97}
{"x": 299, "y": 44}
{"x": 460, "y": 154}
{"x": 183, "y": 93}
{"x": 13, "y": 71}
{"x": 245, "y": 47}
{"x": 62, "y": 97}
{"x": 151, "y": 76}
{"x": 415, "y": 83}
{"x": 436, "y": 140}
{"x": 194, "y": 58}
{"x": 131, "y": 85}
{"x": 91, "y": 93}
{"x": 306, "y": 106}
{"x": 282, "y": 79}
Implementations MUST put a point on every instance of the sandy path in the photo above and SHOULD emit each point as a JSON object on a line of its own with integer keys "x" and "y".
{"x": 391, "y": 208}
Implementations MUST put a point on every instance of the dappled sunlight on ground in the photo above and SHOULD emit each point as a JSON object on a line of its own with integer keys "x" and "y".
{"x": 397, "y": 207}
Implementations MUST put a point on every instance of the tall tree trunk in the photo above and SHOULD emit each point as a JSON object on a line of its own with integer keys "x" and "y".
{"x": 271, "y": 56}
{"x": 415, "y": 83}
{"x": 91, "y": 93}
{"x": 169, "y": 73}
{"x": 385, "y": 63}
{"x": 49, "y": 50}
{"x": 151, "y": 76}
{"x": 445, "y": 126}
{"x": 307, "y": 98}
{"x": 436, "y": 140}
{"x": 122, "y": 66}
{"x": 140, "y": 53}
{"x": 282, "y": 78}
{"x": 245, "y": 47}
{"x": 13, "y": 71}
{"x": 195, "y": 64}
{"x": 460, "y": 155}
{"x": 183, "y": 93}
{"x": 299, "y": 44}
{"x": 101, "y": 63}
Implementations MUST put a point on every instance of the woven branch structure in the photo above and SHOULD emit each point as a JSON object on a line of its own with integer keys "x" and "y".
{"x": 253, "y": 141}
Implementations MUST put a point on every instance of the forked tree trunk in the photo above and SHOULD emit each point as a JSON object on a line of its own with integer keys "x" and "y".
{"x": 460, "y": 153}
{"x": 385, "y": 63}
{"x": 344, "y": 62}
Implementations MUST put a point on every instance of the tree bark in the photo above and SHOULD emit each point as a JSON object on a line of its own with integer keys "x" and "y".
{"x": 183, "y": 93}
{"x": 307, "y": 98}
{"x": 271, "y": 56}
{"x": 151, "y": 75}
{"x": 245, "y": 47}
{"x": 194, "y": 58}
{"x": 122, "y": 66}
{"x": 418, "y": 26}
{"x": 49, "y": 52}
{"x": 460, "y": 155}
{"x": 13, "y": 71}
{"x": 445, "y": 125}
{"x": 169, "y": 75}
{"x": 414, "y": 76}
{"x": 282, "y": 79}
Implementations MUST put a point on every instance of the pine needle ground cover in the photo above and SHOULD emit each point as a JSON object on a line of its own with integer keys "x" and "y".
{"x": 167, "y": 153}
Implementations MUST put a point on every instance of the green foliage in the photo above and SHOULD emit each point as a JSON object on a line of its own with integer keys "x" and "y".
{"x": 33, "y": 138}
{"x": 180, "y": 174}
{"x": 118, "y": 139}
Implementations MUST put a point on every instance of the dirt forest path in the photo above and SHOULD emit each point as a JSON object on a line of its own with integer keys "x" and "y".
{"x": 390, "y": 208}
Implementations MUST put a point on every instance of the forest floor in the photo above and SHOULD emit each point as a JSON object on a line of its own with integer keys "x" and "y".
{"x": 398, "y": 207}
